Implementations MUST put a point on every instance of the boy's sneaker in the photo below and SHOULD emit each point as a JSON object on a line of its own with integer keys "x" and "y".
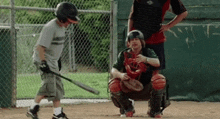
{"x": 60, "y": 116}
{"x": 33, "y": 112}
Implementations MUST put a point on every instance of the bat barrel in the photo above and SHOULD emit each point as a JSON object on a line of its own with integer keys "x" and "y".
{"x": 81, "y": 85}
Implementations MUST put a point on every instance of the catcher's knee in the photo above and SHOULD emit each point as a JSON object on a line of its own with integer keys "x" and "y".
{"x": 114, "y": 85}
{"x": 158, "y": 82}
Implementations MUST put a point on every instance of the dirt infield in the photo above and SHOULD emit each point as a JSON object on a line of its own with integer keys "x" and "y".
{"x": 106, "y": 110}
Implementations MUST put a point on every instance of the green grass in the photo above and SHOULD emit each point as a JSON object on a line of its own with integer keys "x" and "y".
{"x": 28, "y": 85}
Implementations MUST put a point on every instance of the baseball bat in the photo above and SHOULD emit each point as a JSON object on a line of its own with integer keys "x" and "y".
{"x": 81, "y": 85}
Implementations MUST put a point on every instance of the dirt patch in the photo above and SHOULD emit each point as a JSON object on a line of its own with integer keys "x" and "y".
{"x": 106, "y": 110}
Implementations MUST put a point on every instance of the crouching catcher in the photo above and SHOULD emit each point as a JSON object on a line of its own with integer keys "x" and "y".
{"x": 134, "y": 78}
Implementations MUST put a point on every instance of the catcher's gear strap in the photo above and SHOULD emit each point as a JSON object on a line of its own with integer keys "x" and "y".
{"x": 155, "y": 102}
{"x": 115, "y": 102}
{"x": 158, "y": 82}
{"x": 165, "y": 102}
{"x": 165, "y": 98}
{"x": 123, "y": 101}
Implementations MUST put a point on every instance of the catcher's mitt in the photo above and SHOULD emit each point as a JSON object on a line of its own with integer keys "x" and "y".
{"x": 131, "y": 85}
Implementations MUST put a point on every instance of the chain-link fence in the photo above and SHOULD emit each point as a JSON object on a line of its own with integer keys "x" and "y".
{"x": 85, "y": 56}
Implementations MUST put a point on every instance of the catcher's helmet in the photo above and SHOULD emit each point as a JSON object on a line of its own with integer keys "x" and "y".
{"x": 66, "y": 10}
{"x": 136, "y": 34}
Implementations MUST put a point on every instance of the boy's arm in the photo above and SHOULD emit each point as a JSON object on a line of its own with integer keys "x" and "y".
{"x": 41, "y": 50}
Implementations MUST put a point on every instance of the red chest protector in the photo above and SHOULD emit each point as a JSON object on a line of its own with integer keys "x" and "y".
{"x": 133, "y": 68}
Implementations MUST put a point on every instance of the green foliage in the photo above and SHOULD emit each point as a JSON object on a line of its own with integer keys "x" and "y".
{"x": 4, "y": 11}
{"x": 25, "y": 52}
{"x": 31, "y": 16}
{"x": 97, "y": 26}
{"x": 101, "y": 55}
{"x": 97, "y": 4}
{"x": 83, "y": 4}
{"x": 5, "y": 2}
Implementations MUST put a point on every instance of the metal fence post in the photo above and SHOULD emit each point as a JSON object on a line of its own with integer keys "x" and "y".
{"x": 111, "y": 38}
{"x": 14, "y": 60}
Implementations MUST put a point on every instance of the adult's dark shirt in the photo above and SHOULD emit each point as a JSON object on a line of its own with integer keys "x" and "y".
{"x": 149, "y": 14}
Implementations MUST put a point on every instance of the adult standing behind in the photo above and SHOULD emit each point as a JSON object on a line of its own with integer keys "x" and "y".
{"x": 148, "y": 15}
{"x": 47, "y": 52}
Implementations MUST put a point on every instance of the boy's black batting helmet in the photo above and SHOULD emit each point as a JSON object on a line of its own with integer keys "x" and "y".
{"x": 66, "y": 10}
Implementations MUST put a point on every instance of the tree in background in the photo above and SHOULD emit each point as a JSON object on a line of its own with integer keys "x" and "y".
{"x": 98, "y": 23}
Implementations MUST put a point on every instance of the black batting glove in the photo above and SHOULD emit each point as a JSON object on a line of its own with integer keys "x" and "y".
{"x": 44, "y": 67}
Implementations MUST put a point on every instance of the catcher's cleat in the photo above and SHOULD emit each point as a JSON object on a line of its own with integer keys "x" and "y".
{"x": 130, "y": 113}
{"x": 125, "y": 113}
{"x": 154, "y": 115}
{"x": 158, "y": 116}
{"x": 33, "y": 112}
{"x": 122, "y": 112}
{"x": 60, "y": 116}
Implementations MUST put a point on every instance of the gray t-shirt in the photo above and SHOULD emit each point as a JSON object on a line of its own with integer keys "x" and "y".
{"x": 52, "y": 37}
